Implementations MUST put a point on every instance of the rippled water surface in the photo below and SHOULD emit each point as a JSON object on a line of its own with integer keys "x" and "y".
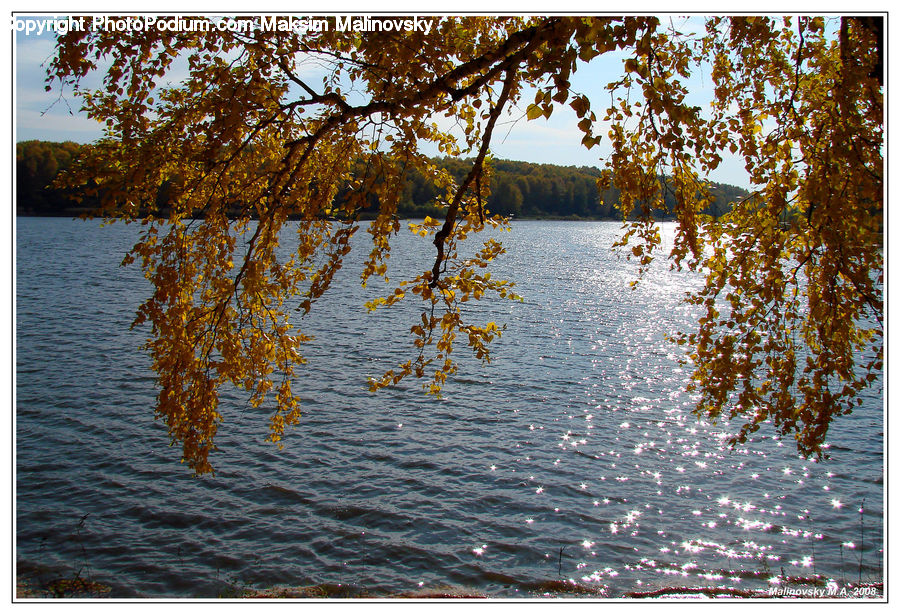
{"x": 574, "y": 456}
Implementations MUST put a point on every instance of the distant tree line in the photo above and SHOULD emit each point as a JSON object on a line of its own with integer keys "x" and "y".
{"x": 37, "y": 164}
{"x": 530, "y": 190}
{"x": 518, "y": 189}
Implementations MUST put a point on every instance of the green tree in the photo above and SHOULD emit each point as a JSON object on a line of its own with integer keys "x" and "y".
{"x": 37, "y": 164}
{"x": 507, "y": 198}
{"x": 793, "y": 274}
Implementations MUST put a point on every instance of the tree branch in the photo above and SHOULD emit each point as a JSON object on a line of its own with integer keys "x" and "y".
{"x": 441, "y": 237}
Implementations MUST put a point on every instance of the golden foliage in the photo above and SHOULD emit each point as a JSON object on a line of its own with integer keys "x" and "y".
{"x": 270, "y": 125}
{"x": 792, "y": 324}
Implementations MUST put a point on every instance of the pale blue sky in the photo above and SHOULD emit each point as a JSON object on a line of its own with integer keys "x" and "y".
{"x": 44, "y": 115}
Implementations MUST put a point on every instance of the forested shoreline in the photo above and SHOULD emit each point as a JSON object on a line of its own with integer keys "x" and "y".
{"x": 518, "y": 189}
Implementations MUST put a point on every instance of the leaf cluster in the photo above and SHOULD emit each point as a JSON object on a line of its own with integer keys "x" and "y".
{"x": 270, "y": 126}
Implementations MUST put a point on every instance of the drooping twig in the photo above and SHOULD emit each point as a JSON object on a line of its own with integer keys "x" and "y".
{"x": 474, "y": 174}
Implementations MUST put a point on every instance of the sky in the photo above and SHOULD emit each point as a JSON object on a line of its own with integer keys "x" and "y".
{"x": 55, "y": 115}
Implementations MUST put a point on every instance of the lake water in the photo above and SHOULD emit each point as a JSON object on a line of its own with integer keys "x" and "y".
{"x": 573, "y": 456}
